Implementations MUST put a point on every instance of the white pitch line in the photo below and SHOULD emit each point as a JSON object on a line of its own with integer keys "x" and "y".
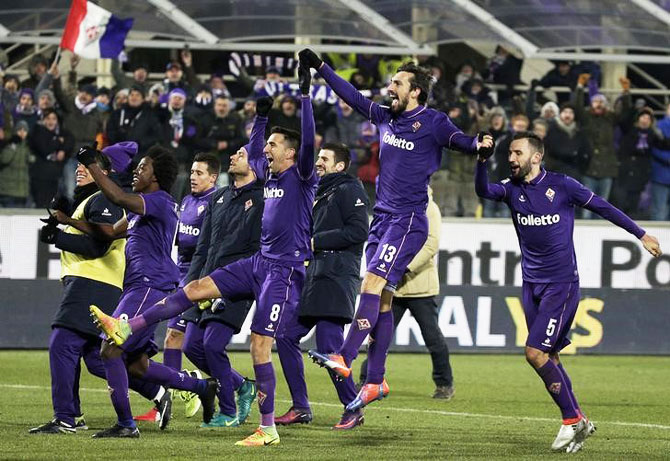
{"x": 406, "y": 410}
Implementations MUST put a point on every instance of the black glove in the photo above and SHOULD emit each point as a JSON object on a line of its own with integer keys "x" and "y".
{"x": 263, "y": 106}
{"x": 534, "y": 83}
{"x": 310, "y": 58}
{"x": 51, "y": 220}
{"x": 304, "y": 78}
{"x": 86, "y": 154}
{"x": 61, "y": 203}
{"x": 48, "y": 233}
{"x": 485, "y": 152}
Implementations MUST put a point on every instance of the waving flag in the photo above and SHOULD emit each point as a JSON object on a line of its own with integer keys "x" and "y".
{"x": 93, "y": 32}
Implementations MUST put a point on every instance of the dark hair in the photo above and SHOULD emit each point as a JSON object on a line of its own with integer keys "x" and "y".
{"x": 103, "y": 161}
{"x": 291, "y": 137}
{"x": 534, "y": 140}
{"x": 165, "y": 166}
{"x": 212, "y": 161}
{"x": 222, "y": 96}
{"x": 567, "y": 105}
{"x": 422, "y": 79}
{"x": 341, "y": 151}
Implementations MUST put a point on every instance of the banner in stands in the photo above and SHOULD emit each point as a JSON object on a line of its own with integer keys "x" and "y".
{"x": 624, "y": 290}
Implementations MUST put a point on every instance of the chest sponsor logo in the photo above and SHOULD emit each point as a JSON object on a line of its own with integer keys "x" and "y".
{"x": 273, "y": 193}
{"x": 550, "y": 194}
{"x": 532, "y": 220}
{"x": 248, "y": 204}
{"x": 393, "y": 140}
{"x": 201, "y": 208}
{"x": 188, "y": 229}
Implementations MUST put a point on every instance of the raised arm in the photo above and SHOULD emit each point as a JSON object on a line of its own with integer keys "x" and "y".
{"x": 257, "y": 159}
{"x": 306, "y": 155}
{"x": 344, "y": 89}
{"x": 485, "y": 189}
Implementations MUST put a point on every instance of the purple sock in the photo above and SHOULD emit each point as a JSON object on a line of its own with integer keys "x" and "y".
{"x": 117, "y": 380}
{"x": 364, "y": 322}
{"x": 164, "y": 309}
{"x": 382, "y": 334}
{"x": 265, "y": 383}
{"x": 167, "y": 377}
{"x": 558, "y": 389}
{"x": 172, "y": 358}
{"x": 566, "y": 377}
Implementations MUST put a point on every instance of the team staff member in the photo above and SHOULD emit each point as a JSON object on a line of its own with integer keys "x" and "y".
{"x": 416, "y": 293}
{"x": 92, "y": 270}
{"x": 333, "y": 278}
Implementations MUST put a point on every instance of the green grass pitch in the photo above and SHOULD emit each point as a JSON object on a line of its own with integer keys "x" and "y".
{"x": 500, "y": 410}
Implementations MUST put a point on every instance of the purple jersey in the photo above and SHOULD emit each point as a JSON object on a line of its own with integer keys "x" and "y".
{"x": 410, "y": 147}
{"x": 543, "y": 212}
{"x": 149, "y": 247}
{"x": 289, "y": 196}
{"x": 192, "y": 213}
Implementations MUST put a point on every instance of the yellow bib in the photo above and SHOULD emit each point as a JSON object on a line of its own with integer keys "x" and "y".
{"x": 108, "y": 268}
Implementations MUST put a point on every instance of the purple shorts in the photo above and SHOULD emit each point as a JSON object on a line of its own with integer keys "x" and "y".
{"x": 393, "y": 242}
{"x": 133, "y": 302}
{"x": 276, "y": 288}
{"x": 550, "y": 309}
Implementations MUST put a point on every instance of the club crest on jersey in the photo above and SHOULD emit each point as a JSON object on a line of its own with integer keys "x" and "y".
{"x": 248, "y": 204}
{"x": 415, "y": 126}
{"x": 201, "y": 208}
{"x": 550, "y": 194}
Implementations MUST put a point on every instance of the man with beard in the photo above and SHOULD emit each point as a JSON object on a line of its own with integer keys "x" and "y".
{"x": 329, "y": 296}
{"x": 543, "y": 212}
{"x": 412, "y": 137}
{"x": 92, "y": 270}
{"x": 224, "y": 133}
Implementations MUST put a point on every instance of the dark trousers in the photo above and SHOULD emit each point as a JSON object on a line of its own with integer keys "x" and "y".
{"x": 425, "y": 312}
{"x": 66, "y": 349}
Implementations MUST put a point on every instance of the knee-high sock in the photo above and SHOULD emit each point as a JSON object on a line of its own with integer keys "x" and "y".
{"x": 265, "y": 383}
{"x": 167, "y": 377}
{"x": 566, "y": 377}
{"x": 559, "y": 390}
{"x": 329, "y": 338}
{"x": 167, "y": 308}
{"x": 216, "y": 338}
{"x": 117, "y": 380}
{"x": 382, "y": 334}
{"x": 364, "y": 322}
{"x": 292, "y": 364}
{"x": 172, "y": 358}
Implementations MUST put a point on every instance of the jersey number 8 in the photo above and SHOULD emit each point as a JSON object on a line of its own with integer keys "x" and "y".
{"x": 274, "y": 313}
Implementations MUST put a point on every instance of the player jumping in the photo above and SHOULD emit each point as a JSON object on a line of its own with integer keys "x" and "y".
{"x": 411, "y": 140}
{"x": 543, "y": 212}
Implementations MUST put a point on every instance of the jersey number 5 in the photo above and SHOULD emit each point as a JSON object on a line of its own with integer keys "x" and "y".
{"x": 551, "y": 327}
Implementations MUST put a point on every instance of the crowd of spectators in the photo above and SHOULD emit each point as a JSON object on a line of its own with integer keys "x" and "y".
{"x": 613, "y": 145}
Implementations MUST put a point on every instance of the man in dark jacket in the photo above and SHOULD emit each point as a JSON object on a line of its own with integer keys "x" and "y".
{"x": 567, "y": 149}
{"x": 224, "y": 133}
{"x": 333, "y": 277}
{"x": 231, "y": 230}
{"x": 92, "y": 271}
{"x": 134, "y": 121}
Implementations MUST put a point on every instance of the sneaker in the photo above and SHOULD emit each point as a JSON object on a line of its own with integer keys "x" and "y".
{"x": 578, "y": 443}
{"x": 117, "y": 330}
{"x": 567, "y": 434}
{"x": 334, "y": 362}
{"x": 151, "y": 415}
{"x": 246, "y": 395}
{"x": 55, "y": 426}
{"x": 350, "y": 419}
{"x": 164, "y": 410}
{"x": 222, "y": 420}
{"x": 207, "y": 398}
{"x": 262, "y": 437}
{"x": 80, "y": 423}
{"x": 443, "y": 392}
{"x": 368, "y": 394}
{"x": 294, "y": 416}
{"x": 117, "y": 431}
{"x": 191, "y": 400}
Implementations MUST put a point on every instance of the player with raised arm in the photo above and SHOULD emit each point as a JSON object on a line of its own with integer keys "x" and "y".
{"x": 275, "y": 275}
{"x": 543, "y": 212}
{"x": 412, "y": 137}
{"x": 149, "y": 276}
